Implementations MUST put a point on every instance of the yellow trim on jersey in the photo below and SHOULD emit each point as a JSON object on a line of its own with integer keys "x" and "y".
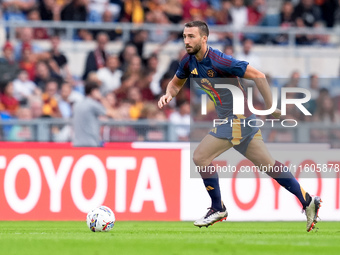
{"x": 303, "y": 193}
{"x": 236, "y": 132}
{"x": 240, "y": 116}
{"x": 258, "y": 135}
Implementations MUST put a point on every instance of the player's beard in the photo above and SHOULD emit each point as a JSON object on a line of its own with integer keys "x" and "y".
{"x": 194, "y": 50}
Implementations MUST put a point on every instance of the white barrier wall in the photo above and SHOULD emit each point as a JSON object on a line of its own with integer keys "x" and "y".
{"x": 152, "y": 181}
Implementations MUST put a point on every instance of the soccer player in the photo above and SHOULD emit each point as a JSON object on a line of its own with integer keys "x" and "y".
{"x": 203, "y": 61}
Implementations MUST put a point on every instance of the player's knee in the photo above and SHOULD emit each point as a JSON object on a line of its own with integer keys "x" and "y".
{"x": 199, "y": 159}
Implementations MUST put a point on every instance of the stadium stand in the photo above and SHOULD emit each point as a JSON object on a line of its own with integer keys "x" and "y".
{"x": 136, "y": 43}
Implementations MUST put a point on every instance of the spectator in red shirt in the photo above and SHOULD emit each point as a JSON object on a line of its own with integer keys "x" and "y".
{"x": 256, "y": 12}
{"x": 28, "y": 61}
{"x": 194, "y": 8}
{"x": 8, "y": 101}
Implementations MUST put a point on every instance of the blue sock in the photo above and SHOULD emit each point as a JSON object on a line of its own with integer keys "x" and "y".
{"x": 288, "y": 181}
{"x": 213, "y": 187}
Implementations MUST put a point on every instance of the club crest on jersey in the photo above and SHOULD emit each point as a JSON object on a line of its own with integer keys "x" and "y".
{"x": 211, "y": 73}
{"x": 211, "y": 92}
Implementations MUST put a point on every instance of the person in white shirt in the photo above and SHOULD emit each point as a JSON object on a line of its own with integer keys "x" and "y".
{"x": 248, "y": 54}
{"x": 110, "y": 75}
{"x": 239, "y": 14}
{"x": 23, "y": 87}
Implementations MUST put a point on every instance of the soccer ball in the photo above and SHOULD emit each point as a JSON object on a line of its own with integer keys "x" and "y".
{"x": 100, "y": 219}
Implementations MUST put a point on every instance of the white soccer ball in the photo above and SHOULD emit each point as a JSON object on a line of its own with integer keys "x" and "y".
{"x": 100, "y": 219}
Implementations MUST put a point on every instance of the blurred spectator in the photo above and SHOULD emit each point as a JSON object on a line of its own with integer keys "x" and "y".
{"x": 126, "y": 82}
{"x": 14, "y": 10}
{"x": 43, "y": 74}
{"x": 121, "y": 133}
{"x": 50, "y": 9}
{"x": 86, "y": 124}
{"x": 229, "y": 50}
{"x": 154, "y": 67}
{"x": 328, "y": 11}
{"x": 223, "y": 16}
{"x": 50, "y": 103}
{"x": 314, "y": 87}
{"x": 294, "y": 80}
{"x": 138, "y": 39}
{"x": 28, "y": 61}
{"x": 8, "y": 66}
{"x": 110, "y": 75}
{"x": 97, "y": 58}
{"x": 159, "y": 35}
{"x": 326, "y": 110}
{"x": 194, "y": 10}
{"x": 248, "y": 55}
{"x": 327, "y": 114}
{"x": 239, "y": 14}
{"x": 306, "y": 14}
{"x": 7, "y": 99}
{"x": 111, "y": 100}
{"x": 154, "y": 131}
{"x": 285, "y": 20}
{"x": 314, "y": 90}
{"x": 112, "y": 7}
{"x": 135, "y": 98}
{"x": 135, "y": 68}
{"x": 23, "y": 87}
{"x": 256, "y": 12}
{"x": 107, "y": 17}
{"x": 182, "y": 117}
{"x": 22, "y": 132}
{"x": 133, "y": 11}
{"x": 36, "y": 106}
{"x": 173, "y": 9}
{"x": 39, "y": 33}
{"x": 144, "y": 85}
{"x": 64, "y": 103}
{"x": 77, "y": 10}
{"x": 26, "y": 36}
{"x": 58, "y": 61}
{"x": 125, "y": 56}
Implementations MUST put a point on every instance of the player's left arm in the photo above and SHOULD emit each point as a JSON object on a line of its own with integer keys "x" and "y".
{"x": 262, "y": 84}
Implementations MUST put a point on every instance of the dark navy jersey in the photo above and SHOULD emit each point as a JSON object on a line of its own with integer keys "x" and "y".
{"x": 214, "y": 66}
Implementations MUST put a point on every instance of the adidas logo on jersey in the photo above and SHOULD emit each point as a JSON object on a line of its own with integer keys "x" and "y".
{"x": 194, "y": 71}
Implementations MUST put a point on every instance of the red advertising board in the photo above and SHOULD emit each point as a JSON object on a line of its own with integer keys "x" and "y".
{"x": 43, "y": 182}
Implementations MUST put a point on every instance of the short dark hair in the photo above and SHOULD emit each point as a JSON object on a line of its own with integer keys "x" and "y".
{"x": 89, "y": 87}
{"x": 202, "y": 26}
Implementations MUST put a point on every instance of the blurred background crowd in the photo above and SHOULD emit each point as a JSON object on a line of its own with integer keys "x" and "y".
{"x": 236, "y": 13}
{"x": 37, "y": 83}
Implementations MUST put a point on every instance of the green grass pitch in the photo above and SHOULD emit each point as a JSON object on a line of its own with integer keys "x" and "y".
{"x": 62, "y": 238}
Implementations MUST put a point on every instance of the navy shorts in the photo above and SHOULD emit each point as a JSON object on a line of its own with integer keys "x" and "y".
{"x": 238, "y": 132}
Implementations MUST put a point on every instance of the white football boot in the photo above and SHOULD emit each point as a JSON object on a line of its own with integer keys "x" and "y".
{"x": 212, "y": 217}
{"x": 312, "y": 211}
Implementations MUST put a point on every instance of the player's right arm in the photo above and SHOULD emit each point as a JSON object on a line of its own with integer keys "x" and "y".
{"x": 172, "y": 90}
{"x": 176, "y": 83}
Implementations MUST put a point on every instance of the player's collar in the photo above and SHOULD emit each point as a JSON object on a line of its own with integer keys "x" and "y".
{"x": 206, "y": 53}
